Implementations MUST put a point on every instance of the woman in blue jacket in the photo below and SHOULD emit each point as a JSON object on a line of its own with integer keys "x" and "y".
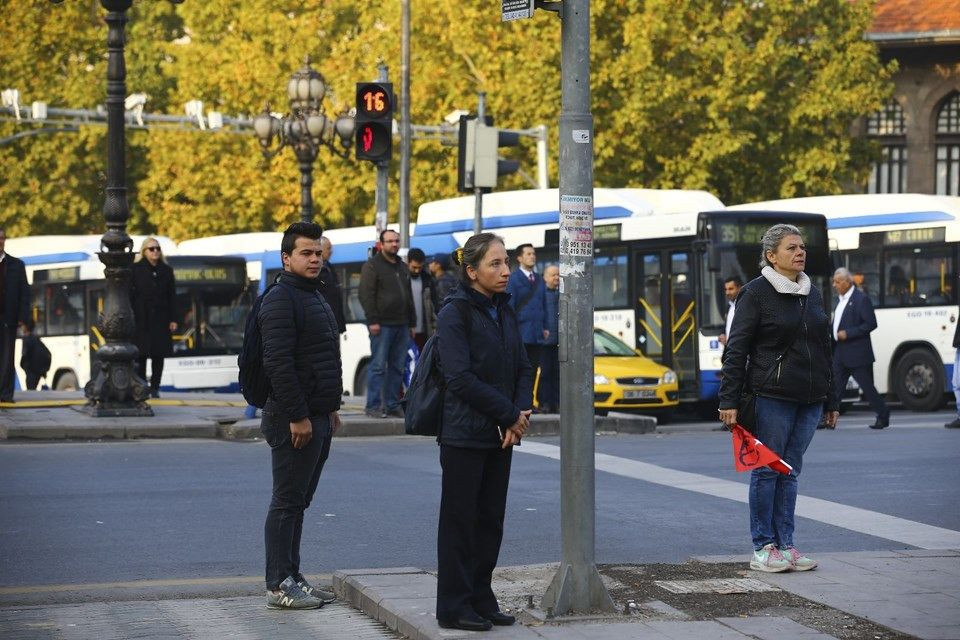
{"x": 486, "y": 410}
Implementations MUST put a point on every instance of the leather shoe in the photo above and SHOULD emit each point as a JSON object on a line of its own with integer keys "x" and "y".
{"x": 955, "y": 424}
{"x": 468, "y": 622}
{"x": 500, "y": 618}
{"x": 880, "y": 424}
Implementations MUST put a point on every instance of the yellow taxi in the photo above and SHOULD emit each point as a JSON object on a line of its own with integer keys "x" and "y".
{"x": 626, "y": 380}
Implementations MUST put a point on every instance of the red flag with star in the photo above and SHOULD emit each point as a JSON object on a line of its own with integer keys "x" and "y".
{"x": 749, "y": 453}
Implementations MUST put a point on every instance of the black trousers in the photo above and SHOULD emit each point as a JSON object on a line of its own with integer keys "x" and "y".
{"x": 864, "y": 378}
{"x": 8, "y": 341}
{"x": 472, "y": 507}
{"x": 548, "y": 391}
{"x": 533, "y": 355}
{"x": 156, "y": 370}
{"x": 33, "y": 379}
{"x": 296, "y": 473}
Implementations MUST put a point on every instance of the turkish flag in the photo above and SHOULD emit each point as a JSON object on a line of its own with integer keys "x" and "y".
{"x": 749, "y": 453}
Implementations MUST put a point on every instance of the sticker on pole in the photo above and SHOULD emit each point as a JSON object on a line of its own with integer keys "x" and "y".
{"x": 576, "y": 226}
{"x": 581, "y": 136}
{"x": 515, "y": 10}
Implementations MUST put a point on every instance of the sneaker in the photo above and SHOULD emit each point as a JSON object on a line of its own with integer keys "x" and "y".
{"x": 373, "y": 413}
{"x": 798, "y": 561}
{"x": 769, "y": 559}
{"x": 291, "y": 596}
{"x": 955, "y": 424}
{"x": 322, "y": 594}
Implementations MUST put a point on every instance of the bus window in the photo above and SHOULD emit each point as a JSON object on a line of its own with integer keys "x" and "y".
{"x": 610, "y": 278}
{"x": 864, "y": 264}
{"x": 64, "y": 309}
{"x": 649, "y": 314}
{"x": 224, "y": 315}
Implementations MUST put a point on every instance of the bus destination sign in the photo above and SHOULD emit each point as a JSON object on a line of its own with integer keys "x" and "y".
{"x": 226, "y": 274}
{"x": 740, "y": 232}
{"x": 914, "y": 236}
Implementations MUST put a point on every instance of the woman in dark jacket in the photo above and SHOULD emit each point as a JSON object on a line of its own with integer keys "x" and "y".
{"x": 153, "y": 296}
{"x": 779, "y": 350}
{"x": 486, "y": 410}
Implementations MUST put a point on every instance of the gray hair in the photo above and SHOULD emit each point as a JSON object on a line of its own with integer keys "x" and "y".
{"x": 772, "y": 239}
{"x": 844, "y": 273}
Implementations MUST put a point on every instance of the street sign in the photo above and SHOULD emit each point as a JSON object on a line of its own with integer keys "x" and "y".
{"x": 515, "y": 9}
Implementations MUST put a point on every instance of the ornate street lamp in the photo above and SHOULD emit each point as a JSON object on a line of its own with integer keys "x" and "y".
{"x": 305, "y": 129}
{"x": 117, "y": 389}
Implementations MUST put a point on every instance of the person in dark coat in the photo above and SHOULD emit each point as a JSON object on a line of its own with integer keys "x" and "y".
{"x": 34, "y": 357}
{"x": 486, "y": 410}
{"x": 301, "y": 358}
{"x": 527, "y": 299}
{"x": 853, "y": 320}
{"x": 14, "y": 312}
{"x": 444, "y": 280}
{"x": 955, "y": 380}
{"x": 548, "y": 391}
{"x": 330, "y": 285}
{"x": 153, "y": 291}
{"x": 779, "y": 350}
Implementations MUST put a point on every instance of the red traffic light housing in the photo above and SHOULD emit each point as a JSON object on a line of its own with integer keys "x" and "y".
{"x": 374, "y": 120}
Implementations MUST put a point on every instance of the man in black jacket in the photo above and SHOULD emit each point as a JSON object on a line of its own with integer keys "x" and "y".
{"x": 853, "y": 320}
{"x": 301, "y": 357}
{"x": 330, "y": 285}
{"x": 955, "y": 381}
{"x": 14, "y": 312}
{"x": 388, "y": 306}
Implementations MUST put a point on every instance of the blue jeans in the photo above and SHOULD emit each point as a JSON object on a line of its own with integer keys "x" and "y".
{"x": 956, "y": 379}
{"x": 786, "y": 428}
{"x": 388, "y": 351}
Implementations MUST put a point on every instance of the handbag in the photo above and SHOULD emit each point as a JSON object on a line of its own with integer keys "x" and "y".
{"x": 747, "y": 407}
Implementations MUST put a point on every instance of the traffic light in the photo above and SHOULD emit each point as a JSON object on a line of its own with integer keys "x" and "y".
{"x": 477, "y": 162}
{"x": 374, "y": 121}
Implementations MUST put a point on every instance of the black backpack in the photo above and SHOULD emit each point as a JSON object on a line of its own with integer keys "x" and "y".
{"x": 254, "y": 384}
{"x": 423, "y": 401}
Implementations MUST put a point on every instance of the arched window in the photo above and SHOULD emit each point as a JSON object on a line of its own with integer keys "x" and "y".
{"x": 948, "y": 147}
{"x": 887, "y": 127}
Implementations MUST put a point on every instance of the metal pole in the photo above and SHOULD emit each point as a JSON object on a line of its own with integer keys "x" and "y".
{"x": 543, "y": 179}
{"x": 305, "y": 158}
{"x": 577, "y": 586}
{"x": 405, "y": 131}
{"x": 383, "y": 174}
{"x": 116, "y": 389}
{"x": 477, "y": 191}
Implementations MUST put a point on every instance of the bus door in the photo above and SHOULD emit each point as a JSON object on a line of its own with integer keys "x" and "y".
{"x": 666, "y": 313}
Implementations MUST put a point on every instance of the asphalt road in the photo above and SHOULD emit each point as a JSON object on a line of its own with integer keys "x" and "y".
{"x": 152, "y": 510}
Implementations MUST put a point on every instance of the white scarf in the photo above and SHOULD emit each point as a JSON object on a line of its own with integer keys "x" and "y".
{"x": 783, "y": 284}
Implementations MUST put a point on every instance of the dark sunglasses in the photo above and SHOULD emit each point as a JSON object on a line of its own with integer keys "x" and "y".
{"x": 153, "y": 248}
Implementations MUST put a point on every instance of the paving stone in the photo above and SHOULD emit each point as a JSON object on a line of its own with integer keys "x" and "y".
{"x": 773, "y": 628}
{"x": 694, "y": 630}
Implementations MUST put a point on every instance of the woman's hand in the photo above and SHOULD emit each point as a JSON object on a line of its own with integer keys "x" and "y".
{"x": 522, "y": 423}
{"x": 830, "y": 418}
{"x": 728, "y": 417}
{"x": 510, "y": 438}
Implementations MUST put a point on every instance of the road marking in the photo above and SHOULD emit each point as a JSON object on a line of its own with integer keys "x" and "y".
{"x": 872, "y": 523}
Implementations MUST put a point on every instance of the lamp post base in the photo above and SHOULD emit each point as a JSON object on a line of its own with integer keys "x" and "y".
{"x": 577, "y": 589}
{"x": 116, "y": 390}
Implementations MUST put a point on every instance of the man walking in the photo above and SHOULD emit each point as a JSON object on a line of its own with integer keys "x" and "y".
{"x": 388, "y": 306}
{"x": 424, "y": 294}
{"x": 301, "y": 358}
{"x": 330, "y": 285}
{"x": 548, "y": 391}
{"x": 527, "y": 298}
{"x": 442, "y": 278}
{"x": 731, "y": 289}
{"x": 853, "y": 320}
{"x": 14, "y": 312}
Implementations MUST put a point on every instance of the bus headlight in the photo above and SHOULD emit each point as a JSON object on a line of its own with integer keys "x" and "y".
{"x": 600, "y": 379}
{"x": 669, "y": 377}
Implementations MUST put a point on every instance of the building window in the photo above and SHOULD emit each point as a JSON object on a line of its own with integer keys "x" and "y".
{"x": 889, "y": 129}
{"x": 948, "y": 147}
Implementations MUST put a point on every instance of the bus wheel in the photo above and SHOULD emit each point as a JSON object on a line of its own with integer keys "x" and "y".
{"x": 360, "y": 382}
{"x": 66, "y": 382}
{"x": 918, "y": 380}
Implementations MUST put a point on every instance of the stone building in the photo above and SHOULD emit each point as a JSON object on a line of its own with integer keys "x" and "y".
{"x": 919, "y": 129}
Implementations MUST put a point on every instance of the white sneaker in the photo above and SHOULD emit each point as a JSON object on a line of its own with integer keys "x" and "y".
{"x": 798, "y": 561}
{"x": 769, "y": 559}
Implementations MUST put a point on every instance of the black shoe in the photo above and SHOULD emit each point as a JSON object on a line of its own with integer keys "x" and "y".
{"x": 468, "y": 622}
{"x": 881, "y": 423}
{"x": 154, "y": 393}
{"x": 500, "y": 618}
{"x": 396, "y": 412}
{"x": 953, "y": 425}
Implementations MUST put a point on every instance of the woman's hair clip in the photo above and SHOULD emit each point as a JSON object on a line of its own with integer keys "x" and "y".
{"x": 458, "y": 255}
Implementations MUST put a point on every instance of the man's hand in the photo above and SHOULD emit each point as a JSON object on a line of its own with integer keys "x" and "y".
{"x": 523, "y": 421}
{"x": 722, "y": 338}
{"x": 841, "y": 335}
{"x": 374, "y": 329}
{"x": 300, "y": 433}
{"x": 830, "y": 418}
{"x": 335, "y": 421}
{"x": 510, "y": 438}
{"x": 173, "y": 327}
{"x": 728, "y": 417}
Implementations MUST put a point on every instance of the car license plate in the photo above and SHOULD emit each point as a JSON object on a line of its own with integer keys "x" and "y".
{"x": 639, "y": 394}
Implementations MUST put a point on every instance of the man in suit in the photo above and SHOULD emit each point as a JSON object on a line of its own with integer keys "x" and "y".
{"x": 731, "y": 289}
{"x": 14, "y": 312}
{"x": 528, "y": 299}
{"x": 853, "y": 320}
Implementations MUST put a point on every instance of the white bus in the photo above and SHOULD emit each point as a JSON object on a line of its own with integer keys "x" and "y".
{"x": 660, "y": 259}
{"x": 903, "y": 252}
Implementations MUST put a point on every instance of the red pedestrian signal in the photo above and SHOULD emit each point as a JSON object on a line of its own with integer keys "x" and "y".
{"x": 374, "y": 121}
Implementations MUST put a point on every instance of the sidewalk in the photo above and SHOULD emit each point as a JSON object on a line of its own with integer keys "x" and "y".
{"x": 851, "y": 596}
{"x": 53, "y": 415}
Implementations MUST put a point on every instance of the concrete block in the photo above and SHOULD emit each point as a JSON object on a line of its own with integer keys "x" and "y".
{"x": 177, "y": 430}
{"x": 364, "y": 426}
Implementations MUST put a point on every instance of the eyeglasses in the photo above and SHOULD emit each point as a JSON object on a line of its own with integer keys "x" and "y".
{"x": 153, "y": 248}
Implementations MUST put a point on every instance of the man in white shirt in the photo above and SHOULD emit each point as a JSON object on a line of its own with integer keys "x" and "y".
{"x": 731, "y": 289}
